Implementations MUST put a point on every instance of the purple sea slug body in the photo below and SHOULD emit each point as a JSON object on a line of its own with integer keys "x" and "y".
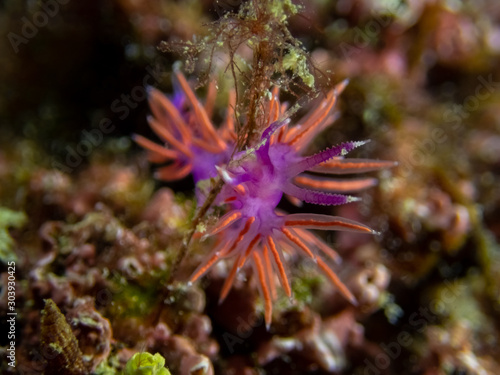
{"x": 196, "y": 147}
{"x": 253, "y": 230}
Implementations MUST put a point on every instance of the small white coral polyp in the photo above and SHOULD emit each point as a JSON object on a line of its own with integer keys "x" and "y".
{"x": 253, "y": 230}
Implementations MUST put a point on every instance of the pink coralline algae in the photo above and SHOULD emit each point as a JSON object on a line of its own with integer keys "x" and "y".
{"x": 253, "y": 230}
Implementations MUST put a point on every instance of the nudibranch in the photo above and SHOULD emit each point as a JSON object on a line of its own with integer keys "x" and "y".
{"x": 253, "y": 230}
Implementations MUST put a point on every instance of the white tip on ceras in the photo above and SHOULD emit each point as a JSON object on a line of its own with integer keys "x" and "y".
{"x": 225, "y": 175}
{"x": 351, "y": 198}
{"x": 341, "y": 86}
{"x": 356, "y": 144}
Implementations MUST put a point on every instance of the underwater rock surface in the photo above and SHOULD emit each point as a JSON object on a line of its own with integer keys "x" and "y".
{"x": 89, "y": 239}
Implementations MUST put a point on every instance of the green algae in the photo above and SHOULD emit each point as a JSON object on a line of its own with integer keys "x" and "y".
{"x": 146, "y": 364}
{"x": 132, "y": 301}
{"x": 9, "y": 219}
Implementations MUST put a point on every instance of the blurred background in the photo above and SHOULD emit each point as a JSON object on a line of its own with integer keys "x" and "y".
{"x": 424, "y": 87}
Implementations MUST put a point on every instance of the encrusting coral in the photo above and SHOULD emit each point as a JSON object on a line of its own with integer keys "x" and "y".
{"x": 253, "y": 229}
